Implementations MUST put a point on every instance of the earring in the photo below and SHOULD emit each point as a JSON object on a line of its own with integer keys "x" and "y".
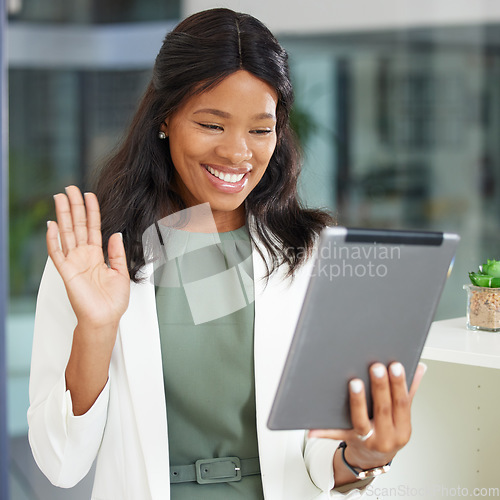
{"x": 162, "y": 135}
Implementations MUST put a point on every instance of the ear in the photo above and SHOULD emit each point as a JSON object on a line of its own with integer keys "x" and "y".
{"x": 164, "y": 127}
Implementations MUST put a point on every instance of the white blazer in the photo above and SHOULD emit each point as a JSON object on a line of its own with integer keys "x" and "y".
{"x": 126, "y": 428}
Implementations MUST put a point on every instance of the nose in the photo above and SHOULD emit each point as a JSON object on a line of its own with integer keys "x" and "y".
{"x": 234, "y": 148}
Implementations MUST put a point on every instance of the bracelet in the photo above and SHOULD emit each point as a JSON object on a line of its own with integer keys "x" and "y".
{"x": 360, "y": 473}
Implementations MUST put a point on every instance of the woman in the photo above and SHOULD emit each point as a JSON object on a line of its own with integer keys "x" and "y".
{"x": 120, "y": 349}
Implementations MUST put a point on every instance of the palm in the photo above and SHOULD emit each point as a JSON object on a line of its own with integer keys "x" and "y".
{"x": 98, "y": 293}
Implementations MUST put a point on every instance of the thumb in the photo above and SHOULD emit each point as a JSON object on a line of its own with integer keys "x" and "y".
{"x": 116, "y": 254}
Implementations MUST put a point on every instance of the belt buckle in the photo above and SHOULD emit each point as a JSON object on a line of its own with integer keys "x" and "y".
{"x": 217, "y": 471}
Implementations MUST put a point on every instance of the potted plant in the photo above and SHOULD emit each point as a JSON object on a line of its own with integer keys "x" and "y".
{"x": 483, "y": 297}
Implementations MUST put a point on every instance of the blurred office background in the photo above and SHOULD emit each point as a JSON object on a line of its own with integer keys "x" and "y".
{"x": 397, "y": 107}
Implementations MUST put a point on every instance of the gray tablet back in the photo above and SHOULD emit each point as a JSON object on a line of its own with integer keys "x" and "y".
{"x": 371, "y": 297}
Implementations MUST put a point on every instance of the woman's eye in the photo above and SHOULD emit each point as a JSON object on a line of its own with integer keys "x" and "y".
{"x": 211, "y": 126}
{"x": 262, "y": 131}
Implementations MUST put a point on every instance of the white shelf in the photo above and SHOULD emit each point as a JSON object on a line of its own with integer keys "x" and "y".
{"x": 450, "y": 341}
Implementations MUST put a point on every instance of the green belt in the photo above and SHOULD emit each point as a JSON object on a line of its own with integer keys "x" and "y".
{"x": 215, "y": 470}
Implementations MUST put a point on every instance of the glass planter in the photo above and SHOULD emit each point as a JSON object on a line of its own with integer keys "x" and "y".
{"x": 483, "y": 308}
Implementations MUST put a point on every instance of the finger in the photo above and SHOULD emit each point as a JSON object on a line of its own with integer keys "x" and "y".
{"x": 116, "y": 254}
{"x": 382, "y": 400}
{"x": 359, "y": 416}
{"x": 64, "y": 223}
{"x": 359, "y": 410}
{"x": 53, "y": 246}
{"x": 78, "y": 214}
{"x": 417, "y": 378}
{"x": 93, "y": 219}
{"x": 400, "y": 402}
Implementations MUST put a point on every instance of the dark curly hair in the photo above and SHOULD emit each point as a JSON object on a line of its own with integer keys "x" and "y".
{"x": 135, "y": 187}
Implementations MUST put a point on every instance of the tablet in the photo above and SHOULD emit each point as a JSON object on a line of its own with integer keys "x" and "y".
{"x": 371, "y": 297}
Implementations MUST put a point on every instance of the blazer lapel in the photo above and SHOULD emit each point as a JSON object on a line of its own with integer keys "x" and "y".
{"x": 277, "y": 307}
{"x": 140, "y": 338}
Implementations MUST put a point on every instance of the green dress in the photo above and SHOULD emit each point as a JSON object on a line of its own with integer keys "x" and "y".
{"x": 205, "y": 303}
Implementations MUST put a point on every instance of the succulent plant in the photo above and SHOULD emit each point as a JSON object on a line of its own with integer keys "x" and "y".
{"x": 488, "y": 275}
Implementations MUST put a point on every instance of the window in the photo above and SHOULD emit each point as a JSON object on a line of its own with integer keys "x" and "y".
{"x": 68, "y": 109}
{"x": 405, "y": 127}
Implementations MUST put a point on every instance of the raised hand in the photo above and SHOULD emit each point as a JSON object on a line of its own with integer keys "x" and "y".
{"x": 98, "y": 293}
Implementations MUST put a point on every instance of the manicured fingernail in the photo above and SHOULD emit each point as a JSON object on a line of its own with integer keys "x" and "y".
{"x": 396, "y": 369}
{"x": 424, "y": 365}
{"x": 48, "y": 223}
{"x": 121, "y": 235}
{"x": 356, "y": 385}
{"x": 378, "y": 371}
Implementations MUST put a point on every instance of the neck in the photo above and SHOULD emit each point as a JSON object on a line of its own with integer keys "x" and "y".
{"x": 229, "y": 221}
{"x": 201, "y": 219}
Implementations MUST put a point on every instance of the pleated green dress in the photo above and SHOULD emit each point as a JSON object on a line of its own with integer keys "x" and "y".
{"x": 205, "y": 303}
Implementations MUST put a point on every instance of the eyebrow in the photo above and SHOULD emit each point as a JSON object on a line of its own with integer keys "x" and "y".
{"x": 224, "y": 114}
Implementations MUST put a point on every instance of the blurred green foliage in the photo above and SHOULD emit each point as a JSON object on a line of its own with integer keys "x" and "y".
{"x": 29, "y": 208}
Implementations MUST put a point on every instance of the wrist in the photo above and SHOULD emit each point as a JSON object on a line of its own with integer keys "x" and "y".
{"x": 94, "y": 337}
{"x": 363, "y": 469}
{"x": 365, "y": 458}
{"x": 101, "y": 328}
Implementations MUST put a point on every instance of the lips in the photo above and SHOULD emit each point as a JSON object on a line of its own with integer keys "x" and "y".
{"x": 227, "y": 180}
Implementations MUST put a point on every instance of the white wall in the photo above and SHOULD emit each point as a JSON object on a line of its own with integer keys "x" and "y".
{"x": 299, "y": 16}
{"x": 454, "y": 444}
{"x": 124, "y": 46}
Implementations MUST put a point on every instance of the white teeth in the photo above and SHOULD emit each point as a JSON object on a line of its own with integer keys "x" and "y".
{"x": 225, "y": 177}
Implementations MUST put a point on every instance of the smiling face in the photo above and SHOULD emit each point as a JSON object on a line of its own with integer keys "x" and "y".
{"x": 221, "y": 142}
